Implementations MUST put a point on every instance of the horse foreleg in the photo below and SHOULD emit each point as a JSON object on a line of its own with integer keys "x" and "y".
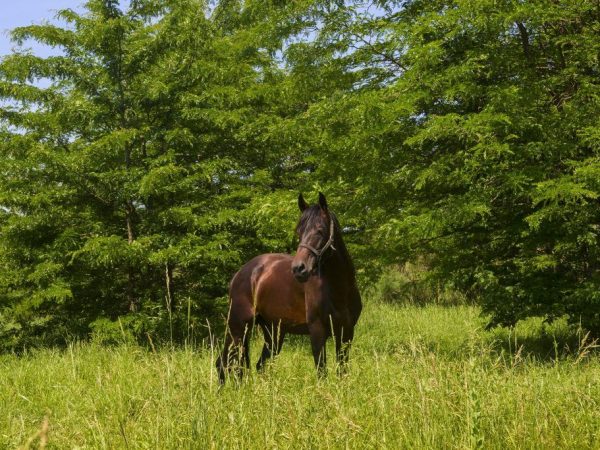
{"x": 343, "y": 341}
{"x": 272, "y": 346}
{"x": 224, "y": 360}
{"x": 318, "y": 339}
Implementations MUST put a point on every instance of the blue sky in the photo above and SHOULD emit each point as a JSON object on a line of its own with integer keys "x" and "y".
{"x": 16, "y": 13}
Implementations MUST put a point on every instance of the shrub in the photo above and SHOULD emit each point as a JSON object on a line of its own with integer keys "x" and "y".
{"x": 410, "y": 284}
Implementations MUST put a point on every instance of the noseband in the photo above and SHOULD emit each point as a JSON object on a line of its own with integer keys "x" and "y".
{"x": 329, "y": 244}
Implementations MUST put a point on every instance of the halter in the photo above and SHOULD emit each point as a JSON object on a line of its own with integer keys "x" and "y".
{"x": 329, "y": 244}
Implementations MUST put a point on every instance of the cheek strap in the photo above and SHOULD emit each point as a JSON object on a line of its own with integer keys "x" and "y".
{"x": 328, "y": 244}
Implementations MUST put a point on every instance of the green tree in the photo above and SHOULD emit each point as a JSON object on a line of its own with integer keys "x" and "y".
{"x": 495, "y": 155}
{"x": 464, "y": 132}
{"x": 504, "y": 158}
{"x": 172, "y": 138}
{"x": 125, "y": 183}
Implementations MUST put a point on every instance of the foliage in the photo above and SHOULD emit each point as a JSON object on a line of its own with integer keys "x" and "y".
{"x": 503, "y": 96}
{"x": 411, "y": 284}
{"x": 124, "y": 183}
{"x": 163, "y": 145}
{"x": 470, "y": 137}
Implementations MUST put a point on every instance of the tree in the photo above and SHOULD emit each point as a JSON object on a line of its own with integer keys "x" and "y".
{"x": 124, "y": 183}
{"x": 467, "y": 136}
{"x": 495, "y": 149}
{"x": 171, "y": 141}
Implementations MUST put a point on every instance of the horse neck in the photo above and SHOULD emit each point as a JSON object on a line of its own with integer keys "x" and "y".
{"x": 339, "y": 264}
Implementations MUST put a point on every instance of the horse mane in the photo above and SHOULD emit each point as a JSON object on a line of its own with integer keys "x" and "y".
{"x": 308, "y": 218}
{"x": 340, "y": 245}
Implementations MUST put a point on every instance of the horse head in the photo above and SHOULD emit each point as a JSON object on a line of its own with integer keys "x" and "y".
{"x": 316, "y": 233}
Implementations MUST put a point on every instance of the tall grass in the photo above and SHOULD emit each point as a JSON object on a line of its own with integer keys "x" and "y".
{"x": 420, "y": 377}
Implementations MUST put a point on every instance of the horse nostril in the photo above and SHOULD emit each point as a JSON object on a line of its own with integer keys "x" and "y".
{"x": 299, "y": 268}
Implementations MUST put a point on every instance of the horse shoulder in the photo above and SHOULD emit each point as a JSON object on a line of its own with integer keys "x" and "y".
{"x": 278, "y": 296}
{"x": 243, "y": 284}
{"x": 274, "y": 274}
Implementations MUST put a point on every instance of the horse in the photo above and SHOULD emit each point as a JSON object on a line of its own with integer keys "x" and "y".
{"x": 313, "y": 292}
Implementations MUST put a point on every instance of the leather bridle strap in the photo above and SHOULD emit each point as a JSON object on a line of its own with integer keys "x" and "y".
{"x": 328, "y": 244}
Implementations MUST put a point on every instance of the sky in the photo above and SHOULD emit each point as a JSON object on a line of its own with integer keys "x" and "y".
{"x": 17, "y": 13}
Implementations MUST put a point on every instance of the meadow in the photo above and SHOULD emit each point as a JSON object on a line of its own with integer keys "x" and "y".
{"x": 420, "y": 377}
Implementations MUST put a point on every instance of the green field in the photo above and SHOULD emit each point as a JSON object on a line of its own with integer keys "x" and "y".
{"x": 426, "y": 377}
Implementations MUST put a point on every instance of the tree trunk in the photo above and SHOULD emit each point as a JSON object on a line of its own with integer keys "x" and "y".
{"x": 131, "y": 298}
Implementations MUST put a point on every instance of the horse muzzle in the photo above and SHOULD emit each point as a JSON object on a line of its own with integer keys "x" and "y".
{"x": 301, "y": 272}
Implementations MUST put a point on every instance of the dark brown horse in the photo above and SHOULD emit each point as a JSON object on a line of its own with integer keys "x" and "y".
{"x": 311, "y": 293}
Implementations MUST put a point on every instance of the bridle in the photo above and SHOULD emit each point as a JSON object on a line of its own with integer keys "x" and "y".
{"x": 329, "y": 244}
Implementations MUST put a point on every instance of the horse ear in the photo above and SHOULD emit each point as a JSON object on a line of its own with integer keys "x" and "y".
{"x": 322, "y": 201}
{"x": 302, "y": 203}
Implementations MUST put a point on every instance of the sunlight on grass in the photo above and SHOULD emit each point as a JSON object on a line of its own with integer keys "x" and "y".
{"x": 420, "y": 377}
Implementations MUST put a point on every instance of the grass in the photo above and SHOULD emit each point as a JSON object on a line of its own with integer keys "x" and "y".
{"x": 420, "y": 377}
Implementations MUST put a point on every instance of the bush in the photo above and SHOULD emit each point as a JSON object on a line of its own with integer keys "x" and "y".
{"x": 114, "y": 332}
{"x": 410, "y": 284}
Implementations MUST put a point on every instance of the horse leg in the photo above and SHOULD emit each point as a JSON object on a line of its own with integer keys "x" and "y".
{"x": 343, "y": 341}
{"x": 273, "y": 343}
{"x": 236, "y": 350}
{"x": 318, "y": 339}
{"x": 246, "y": 349}
{"x": 242, "y": 356}
{"x": 224, "y": 359}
